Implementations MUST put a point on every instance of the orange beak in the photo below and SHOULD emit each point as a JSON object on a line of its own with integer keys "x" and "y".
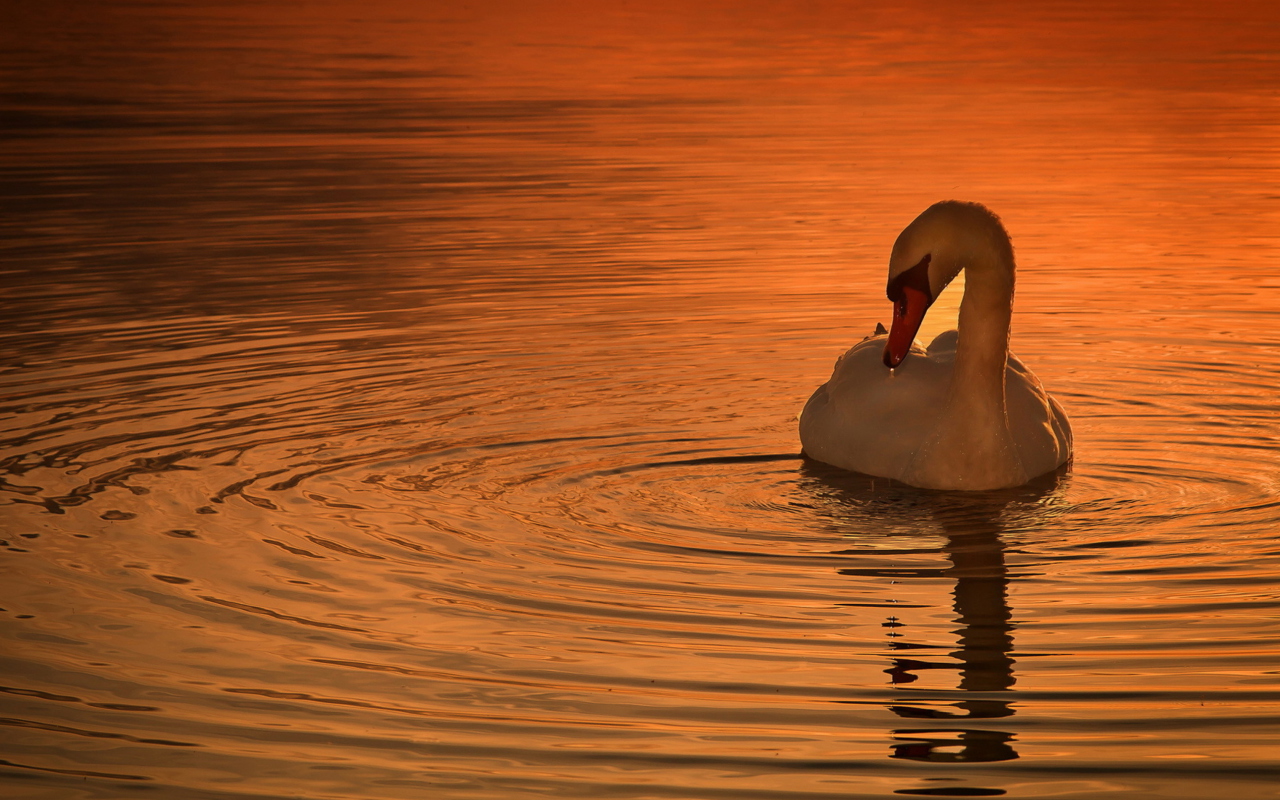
{"x": 908, "y": 313}
{"x": 911, "y": 296}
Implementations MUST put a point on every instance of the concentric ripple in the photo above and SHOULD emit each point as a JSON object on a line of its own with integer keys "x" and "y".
{"x": 289, "y": 566}
{"x": 400, "y": 402}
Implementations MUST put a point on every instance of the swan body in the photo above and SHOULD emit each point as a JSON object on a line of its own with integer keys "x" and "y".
{"x": 963, "y": 414}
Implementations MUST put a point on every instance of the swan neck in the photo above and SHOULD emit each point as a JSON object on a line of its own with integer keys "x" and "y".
{"x": 983, "y": 347}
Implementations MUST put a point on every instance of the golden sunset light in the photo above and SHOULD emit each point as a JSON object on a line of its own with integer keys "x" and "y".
{"x": 637, "y": 400}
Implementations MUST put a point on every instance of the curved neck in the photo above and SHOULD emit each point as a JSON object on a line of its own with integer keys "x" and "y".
{"x": 971, "y": 445}
{"x": 983, "y": 347}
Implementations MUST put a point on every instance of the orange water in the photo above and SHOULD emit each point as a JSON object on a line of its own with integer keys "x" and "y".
{"x": 400, "y": 403}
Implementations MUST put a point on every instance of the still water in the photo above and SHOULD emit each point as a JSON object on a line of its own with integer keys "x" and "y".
{"x": 399, "y": 401}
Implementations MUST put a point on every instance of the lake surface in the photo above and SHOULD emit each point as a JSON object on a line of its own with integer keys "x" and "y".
{"x": 400, "y": 402}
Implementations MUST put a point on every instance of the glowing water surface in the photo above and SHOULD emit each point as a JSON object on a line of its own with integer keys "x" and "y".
{"x": 401, "y": 404}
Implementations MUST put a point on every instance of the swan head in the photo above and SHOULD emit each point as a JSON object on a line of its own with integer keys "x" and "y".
{"x": 928, "y": 255}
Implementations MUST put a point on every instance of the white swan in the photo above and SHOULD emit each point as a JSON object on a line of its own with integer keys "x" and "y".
{"x": 964, "y": 414}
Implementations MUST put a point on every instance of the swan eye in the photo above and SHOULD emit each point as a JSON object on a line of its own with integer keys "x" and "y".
{"x": 916, "y": 278}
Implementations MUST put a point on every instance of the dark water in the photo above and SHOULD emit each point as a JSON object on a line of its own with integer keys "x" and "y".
{"x": 400, "y": 402}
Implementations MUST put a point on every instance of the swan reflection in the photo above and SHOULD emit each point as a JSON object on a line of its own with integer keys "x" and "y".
{"x": 973, "y": 525}
{"x": 984, "y": 643}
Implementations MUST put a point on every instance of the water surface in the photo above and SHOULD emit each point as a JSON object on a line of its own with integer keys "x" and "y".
{"x": 401, "y": 403}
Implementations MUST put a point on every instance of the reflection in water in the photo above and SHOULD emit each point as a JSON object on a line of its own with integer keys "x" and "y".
{"x": 384, "y": 386}
{"x": 972, "y": 525}
{"x": 985, "y": 641}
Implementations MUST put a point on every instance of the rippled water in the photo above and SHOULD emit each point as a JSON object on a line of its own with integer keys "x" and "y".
{"x": 401, "y": 403}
